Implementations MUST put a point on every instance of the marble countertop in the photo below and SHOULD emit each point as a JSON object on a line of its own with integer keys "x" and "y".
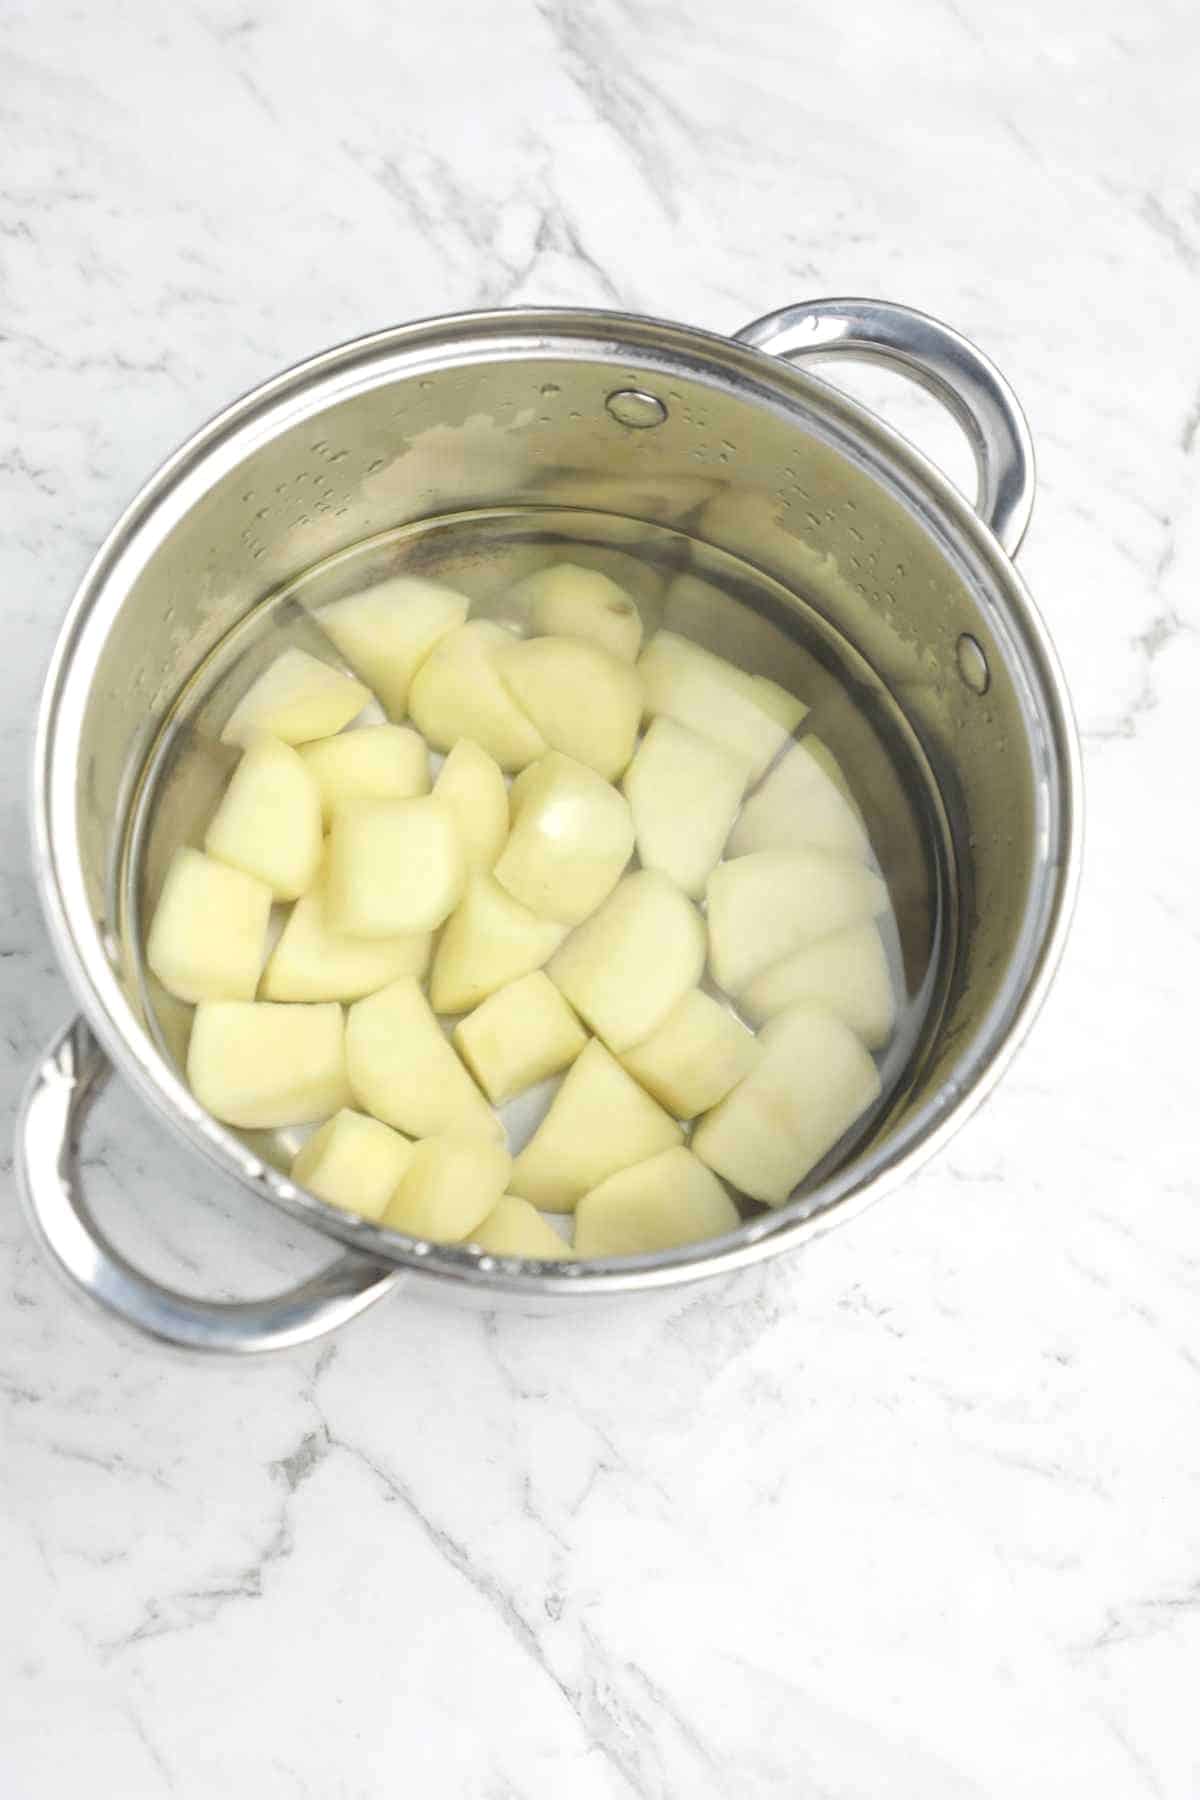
{"x": 915, "y": 1513}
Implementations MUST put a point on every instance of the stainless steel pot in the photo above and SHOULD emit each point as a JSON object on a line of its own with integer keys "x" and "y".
{"x": 731, "y": 446}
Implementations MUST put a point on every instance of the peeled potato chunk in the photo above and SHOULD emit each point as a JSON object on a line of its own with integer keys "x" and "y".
{"x": 395, "y": 866}
{"x": 684, "y": 790}
{"x": 697, "y": 1054}
{"x": 600, "y": 1121}
{"x": 764, "y": 906}
{"x": 633, "y": 960}
{"x": 312, "y": 961}
{"x": 490, "y": 939}
{"x": 259, "y": 1066}
{"x": 569, "y": 601}
{"x": 514, "y": 1228}
{"x": 571, "y": 837}
{"x": 378, "y": 762}
{"x": 749, "y": 716}
{"x": 387, "y": 631}
{"x": 471, "y": 787}
{"x": 402, "y": 1070}
{"x": 847, "y": 972}
{"x": 353, "y": 1162}
{"x": 797, "y": 807}
{"x": 583, "y": 699}
{"x": 812, "y": 1080}
{"x": 268, "y": 823}
{"x": 457, "y": 692}
{"x": 670, "y": 1199}
{"x": 296, "y": 699}
{"x": 449, "y": 1187}
{"x": 209, "y": 933}
{"x": 521, "y": 1034}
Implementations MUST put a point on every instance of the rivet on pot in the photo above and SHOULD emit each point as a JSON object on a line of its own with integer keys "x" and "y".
{"x": 632, "y": 407}
{"x": 972, "y": 665}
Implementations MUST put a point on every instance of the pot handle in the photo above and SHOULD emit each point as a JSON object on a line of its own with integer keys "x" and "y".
{"x": 56, "y": 1103}
{"x": 948, "y": 365}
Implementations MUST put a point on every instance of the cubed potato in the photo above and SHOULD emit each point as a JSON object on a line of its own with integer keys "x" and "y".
{"x": 764, "y": 906}
{"x": 848, "y": 972}
{"x": 296, "y": 699}
{"x": 457, "y": 693}
{"x": 387, "y": 631}
{"x": 812, "y": 1080}
{"x": 209, "y": 934}
{"x": 749, "y": 716}
{"x": 268, "y": 822}
{"x": 490, "y": 939}
{"x": 471, "y": 787}
{"x": 259, "y": 1066}
{"x": 312, "y": 961}
{"x": 395, "y": 866}
{"x": 600, "y": 1121}
{"x": 697, "y": 1054}
{"x": 377, "y": 762}
{"x": 354, "y": 1162}
{"x": 521, "y": 1034}
{"x": 569, "y": 601}
{"x": 684, "y": 791}
{"x": 571, "y": 837}
{"x": 514, "y": 1228}
{"x": 402, "y": 1070}
{"x": 799, "y": 807}
{"x": 449, "y": 1187}
{"x": 668, "y": 1200}
{"x": 583, "y": 699}
{"x": 633, "y": 960}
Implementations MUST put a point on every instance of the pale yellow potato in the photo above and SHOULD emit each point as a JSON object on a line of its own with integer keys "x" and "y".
{"x": 600, "y": 1121}
{"x": 259, "y": 1066}
{"x": 697, "y": 1054}
{"x": 312, "y": 961}
{"x": 812, "y": 1080}
{"x": 354, "y": 1162}
{"x": 209, "y": 933}
{"x": 685, "y": 791}
{"x": 490, "y": 939}
{"x": 566, "y": 600}
{"x": 668, "y": 1200}
{"x": 797, "y": 807}
{"x": 387, "y": 631}
{"x": 470, "y": 784}
{"x": 633, "y": 960}
{"x": 296, "y": 699}
{"x": 777, "y": 702}
{"x": 395, "y": 866}
{"x": 521, "y": 1034}
{"x": 457, "y": 692}
{"x": 763, "y": 906}
{"x": 402, "y": 1070}
{"x": 585, "y": 701}
{"x": 848, "y": 972}
{"x": 514, "y": 1228}
{"x": 749, "y": 716}
{"x": 377, "y": 762}
{"x": 571, "y": 837}
{"x": 449, "y": 1187}
{"x": 268, "y": 822}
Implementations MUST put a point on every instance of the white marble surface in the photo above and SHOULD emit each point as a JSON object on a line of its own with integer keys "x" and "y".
{"x": 916, "y": 1514}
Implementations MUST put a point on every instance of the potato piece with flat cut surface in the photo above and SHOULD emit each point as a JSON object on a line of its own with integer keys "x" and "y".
{"x": 209, "y": 934}
{"x": 298, "y": 698}
{"x": 388, "y": 630}
{"x": 514, "y": 1228}
{"x": 402, "y": 1070}
{"x": 750, "y": 716}
{"x": 763, "y": 906}
{"x": 376, "y": 762}
{"x": 633, "y": 960}
{"x": 600, "y": 1121}
{"x": 312, "y": 961}
{"x": 571, "y": 837}
{"x": 812, "y": 1080}
{"x": 354, "y": 1162}
{"x": 583, "y": 699}
{"x": 848, "y": 972}
{"x": 490, "y": 939}
{"x": 697, "y": 1054}
{"x": 668, "y": 1200}
{"x": 259, "y": 1066}
{"x": 685, "y": 791}
{"x": 518, "y": 1036}
{"x": 268, "y": 822}
{"x": 569, "y": 601}
{"x": 395, "y": 866}
{"x": 471, "y": 787}
{"x": 457, "y": 692}
{"x": 449, "y": 1187}
{"x": 799, "y": 806}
